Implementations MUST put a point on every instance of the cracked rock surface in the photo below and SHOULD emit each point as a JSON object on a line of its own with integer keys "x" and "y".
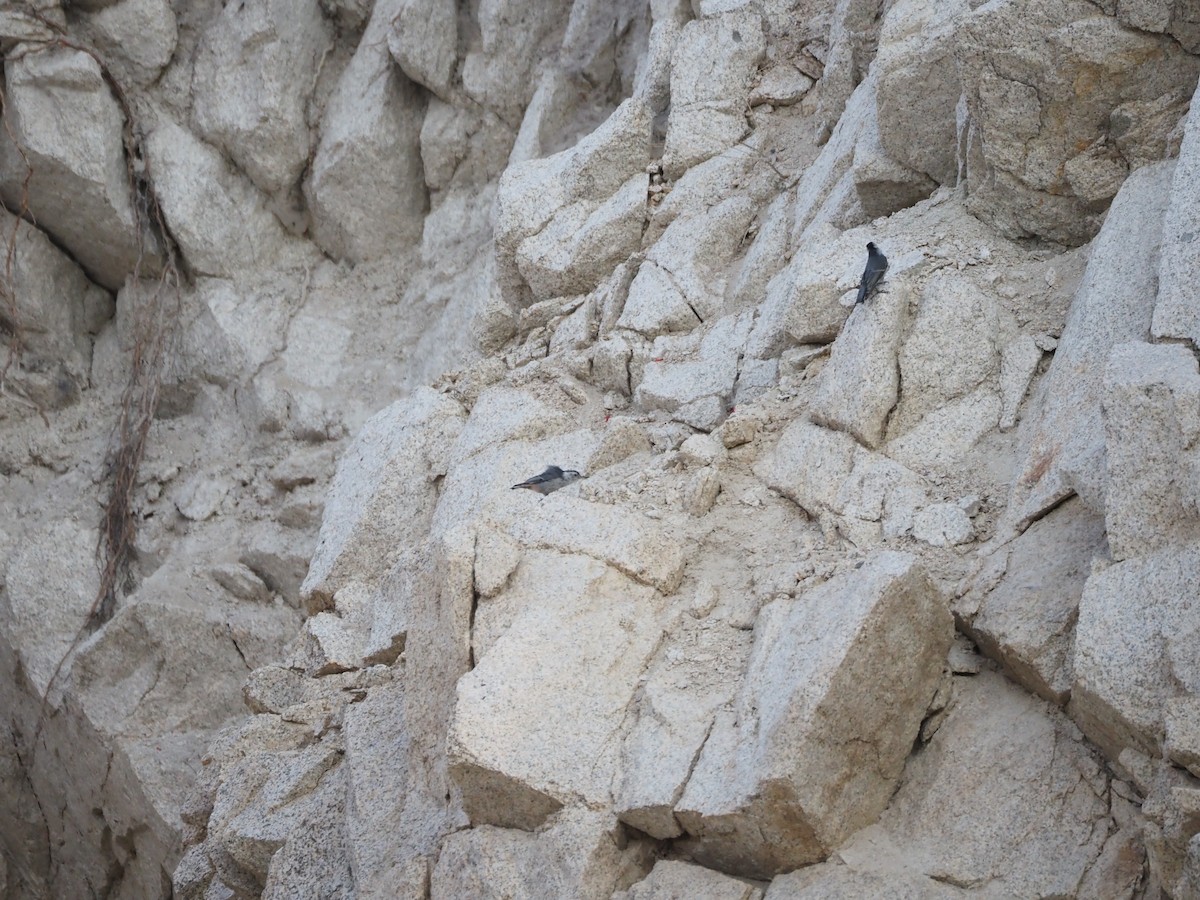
{"x": 895, "y": 599}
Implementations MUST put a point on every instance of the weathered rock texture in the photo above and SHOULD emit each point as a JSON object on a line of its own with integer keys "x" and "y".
{"x": 896, "y": 599}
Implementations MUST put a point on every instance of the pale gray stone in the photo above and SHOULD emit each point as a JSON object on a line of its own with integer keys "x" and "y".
{"x": 826, "y": 471}
{"x": 60, "y": 112}
{"x": 712, "y": 70}
{"x": 712, "y": 373}
{"x": 943, "y": 525}
{"x": 51, "y": 582}
{"x": 695, "y": 673}
{"x": 370, "y": 518}
{"x": 577, "y": 855}
{"x": 1182, "y": 745}
{"x": 1175, "y": 314}
{"x": 365, "y": 187}
{"x": 1027, "y": 179}
{"x": 1026, "y": 620}
{"x": 423, "y": 37}
{"x": 752, "y": 808}
{"x": 656, "y": 305}
{"x": 1008, "y": 801}
{"x": 216, "y": 216}
{"x": 1151, "y": 421}
{"x": 623, "y": 437}
{"x": 671, "y": 879}
{"x": 531, "y": 193}
{"x": 1018, "y": 362}
{"x": 582, "y": 243}
{"x": 1135, "y": 648}
{"x": 1112, "y": 305}
{"x": 49, "y": 307}
{"x": 630, "y": 543}
{"x": 831, "y": 881}
{"x": 534, "y": 719}
{"x": 255, "y": 68}
{"x": 919, "y": 87}
{"x": 136, "y": 37}
{"x": 861, "y": 382}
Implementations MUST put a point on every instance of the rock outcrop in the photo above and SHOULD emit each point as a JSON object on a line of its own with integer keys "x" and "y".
{"x": 891, "y": 599}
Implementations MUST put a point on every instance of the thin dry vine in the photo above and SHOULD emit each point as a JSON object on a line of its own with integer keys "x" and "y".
{"x": 154, "y": 309}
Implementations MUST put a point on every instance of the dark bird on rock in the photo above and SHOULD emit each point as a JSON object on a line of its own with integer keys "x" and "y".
{"x": 550, "y": 480}
{"x": 873, "y": 273}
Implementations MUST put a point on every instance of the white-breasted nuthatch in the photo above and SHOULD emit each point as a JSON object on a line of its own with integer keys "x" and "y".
{"x": 550, "y": 480}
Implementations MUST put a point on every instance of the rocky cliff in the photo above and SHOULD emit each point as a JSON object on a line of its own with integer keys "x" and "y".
{"x": 891, "y": 599}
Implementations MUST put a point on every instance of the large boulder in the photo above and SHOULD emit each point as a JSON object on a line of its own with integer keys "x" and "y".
{"x": 503, "y": 49}
{"x": 383, "y": 496}
{"x": 1136, "y": 648}
{"x": 1151, "y": 421}
{"x": 1114, "y": 303}
{"x": 52, "y": 311}
{"x": 366, "y": 189}
{"x": 1043, "y": 157}
{"x": 70, "y": 130}
{"x": 712, "y": 72}
{"x": 695, "y": 674}
{"x": 1175, "y": 311}
{"x": 831, "y": 476}
{"x": 534, "y": 720}
{"x": 919, "y": 87}
{"x": 578, "y": 854}
{"x": 215, "y": 215}
{"x": 861, "y": 382}
{"x": 1004, "y": 798}
{"x": 837, "y": 685}
{"x": 137, "y": 38}
{"x": 584, "y": 179}
{"x": 255, "y": 68}
{"x": 1024, "y": 604}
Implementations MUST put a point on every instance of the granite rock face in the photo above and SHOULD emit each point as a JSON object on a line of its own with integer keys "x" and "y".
{"x": 890, "y": 599}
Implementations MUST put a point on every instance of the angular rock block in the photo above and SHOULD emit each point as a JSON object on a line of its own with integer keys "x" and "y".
{"x": 826, "y": 472}
{"x": 1040, "y": 159}
{"x": 1026, "y": 620}
{"x": 712, "y": 72}
{"x": 671, "y": 879}
{"x": 531, "y": 194}
{"x": 55, "y": 310}
{"x": 216, "y": 216}
{"x": 1136, "y": 647}
{"x": 1111, "y": 306}
{"x": 707, "y": 369}
{"x": 255, "y": 68}
{"x": 919, "y": 88}
{"x": 366, "y": 190}
{"x": 1003, "y": 798}
{"x": 383, "y": 495}
{"x": 579, "y": 854}
{"x": 1175, "y": 311}
{"x": 695, "y": 674}
{"x": 837, "y": 685}
{"x": 860, "y": 384}
{"x": 582, "y": 244}
{"x": 951, "y": 349}
{"x": 136, "y": 37}
{"x": 60, "y": 111}
{"x": 1151, "y": 425}
{"x": 536, "y": 721}
{"x": 422, "y": 38}
{"x": 632, "y": 544}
